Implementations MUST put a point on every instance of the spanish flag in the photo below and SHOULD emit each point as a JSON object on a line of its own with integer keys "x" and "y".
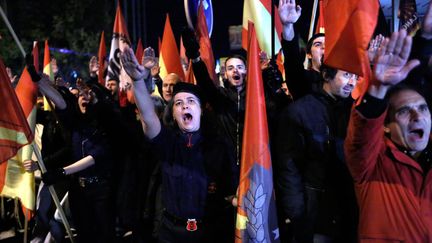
{"x": 15, "y": 135}
{"x": 259, "y": 13}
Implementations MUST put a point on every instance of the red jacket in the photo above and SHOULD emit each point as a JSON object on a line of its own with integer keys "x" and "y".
{"x": 394, "y": 197}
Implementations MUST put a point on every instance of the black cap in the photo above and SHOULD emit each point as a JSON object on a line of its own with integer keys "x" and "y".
{"x": 188, "y": 88}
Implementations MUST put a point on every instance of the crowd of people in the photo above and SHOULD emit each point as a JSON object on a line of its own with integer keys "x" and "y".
{"x": 166, "y": 168}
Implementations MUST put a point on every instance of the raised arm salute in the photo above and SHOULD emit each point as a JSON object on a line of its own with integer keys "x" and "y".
{"x": 388, "y": 151}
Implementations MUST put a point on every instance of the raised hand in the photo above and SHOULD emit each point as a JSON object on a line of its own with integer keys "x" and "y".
{"x": 289, "y": 12}
{"x": 93, "y": 66}
{"x": 374, "y": 45}
{"x": 190, "y": 43}
{"x": 391, "y": 62}
{"x": 131, "y": 66}
{"x": 149, "y": 59}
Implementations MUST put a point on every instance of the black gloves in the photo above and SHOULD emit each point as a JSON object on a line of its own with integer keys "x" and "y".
{"x": 272, "y": 77}
{"x": 53, "y": 176}
{"x": 31, "y": 68}
{"x": 190, "y": 43}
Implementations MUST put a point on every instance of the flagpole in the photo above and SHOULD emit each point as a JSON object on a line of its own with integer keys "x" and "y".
{"x": 53, "y": 193}
{"x": 25, "y": 225}
{"x": 12, "y": 31}
{"x": 395, "y": 10}
{"x": 311, "y": 28}
{"x": 35, "y": 148}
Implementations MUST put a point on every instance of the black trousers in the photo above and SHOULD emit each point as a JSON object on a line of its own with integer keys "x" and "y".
{"x": 93, "y": 211}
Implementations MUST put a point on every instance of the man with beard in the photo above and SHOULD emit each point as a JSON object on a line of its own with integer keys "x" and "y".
{"x": 313, "y": 183}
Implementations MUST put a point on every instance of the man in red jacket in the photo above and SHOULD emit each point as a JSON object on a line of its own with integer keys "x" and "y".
{"x": 389, "y": 154}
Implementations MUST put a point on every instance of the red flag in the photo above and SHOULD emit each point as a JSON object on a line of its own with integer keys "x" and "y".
{"x": 259, "y": 13}
{"x": 14, "y": 129}
{"x": 348, "y": 34}
{"x": 256, "y": 214}
{"x": 101, "y": 58}
{"x": 183, "y": 59}
{"x": 206, "y": 50}
{"x": 139, "y": 53}
{"x": 320, "y": 28}
{"x": 169, "y": 56}
{"x": 190, "y": 76}
{"x": 48, "y": 70}
{"x": 159, "y": 44}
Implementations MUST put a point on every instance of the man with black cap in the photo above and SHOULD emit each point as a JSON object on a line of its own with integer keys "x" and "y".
{"x": 300, "y": 81}
{"x": 194, "y": 162}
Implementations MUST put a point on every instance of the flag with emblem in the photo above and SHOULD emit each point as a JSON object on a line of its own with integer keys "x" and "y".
{"x": 120, "y": 40}
{"x": 256, "y": 213}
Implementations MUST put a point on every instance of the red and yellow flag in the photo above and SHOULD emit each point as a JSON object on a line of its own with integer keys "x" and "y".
{"x": 17, "y": 124}
{"x": 101, "y": 59}
{"x": 169, "y": 56}
{"x": 256, "y": 213}
{"x": 14, "y": 129}
{"x": 259, "y": 13}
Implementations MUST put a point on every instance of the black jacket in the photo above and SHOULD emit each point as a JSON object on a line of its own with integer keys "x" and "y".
{"x": 312, "y": 179}
{"x": 300, "y": 81}
{"x": 228, "y": 105}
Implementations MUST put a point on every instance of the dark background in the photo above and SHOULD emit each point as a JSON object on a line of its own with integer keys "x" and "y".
{"x": 76, "y": 25}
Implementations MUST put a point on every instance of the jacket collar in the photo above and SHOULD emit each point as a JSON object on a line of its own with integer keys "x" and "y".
{"x": 402, "y": 156}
